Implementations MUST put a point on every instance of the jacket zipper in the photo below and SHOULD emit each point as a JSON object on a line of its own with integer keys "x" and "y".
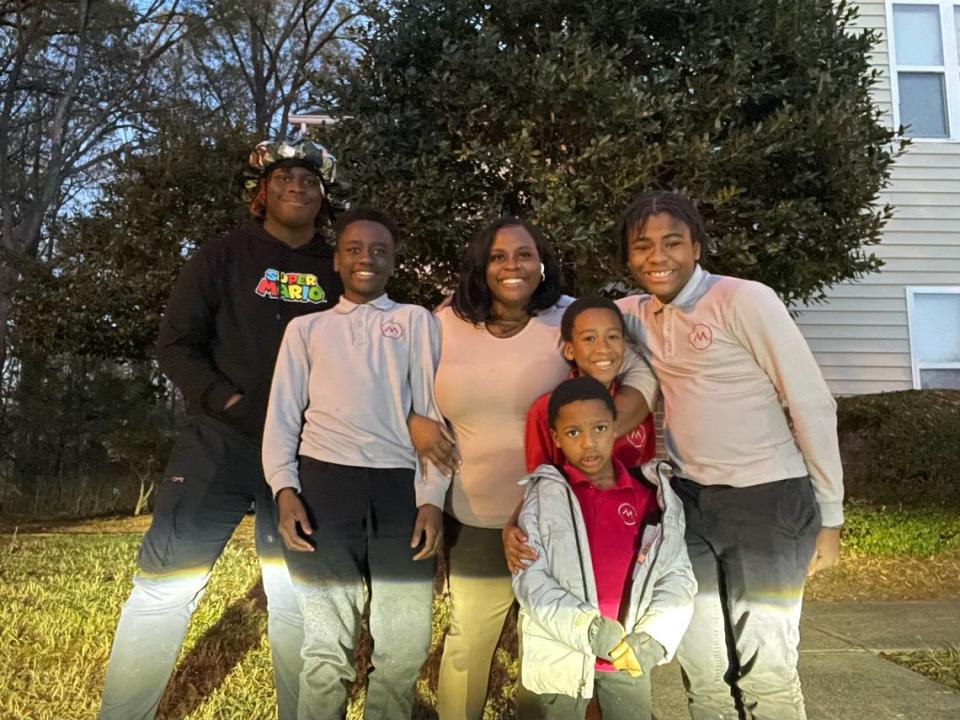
{"x": 583, "y": 576}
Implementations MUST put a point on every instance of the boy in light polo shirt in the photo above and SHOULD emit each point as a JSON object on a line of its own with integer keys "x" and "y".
{"x": 611, "y": 590}
{"x": 352, "y": 502}
{"x": 750, "y": 427}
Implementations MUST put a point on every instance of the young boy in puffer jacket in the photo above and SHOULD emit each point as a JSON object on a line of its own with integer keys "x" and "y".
{"x": 611, "y": 590}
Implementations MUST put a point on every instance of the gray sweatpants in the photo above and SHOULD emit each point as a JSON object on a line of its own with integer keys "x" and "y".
{"x": 750, "y": 548}
{"x": 619, "y": 696}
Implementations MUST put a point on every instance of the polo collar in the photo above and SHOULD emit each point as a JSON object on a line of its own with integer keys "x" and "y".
{"x": 623, "y": 478}
{"x": 345, "y": 307}
{"x": 690, "y": 293}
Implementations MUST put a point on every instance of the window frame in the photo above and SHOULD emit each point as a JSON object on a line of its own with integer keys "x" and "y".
{"x": 915, "y": 363}
{"x": 950, "y": 70}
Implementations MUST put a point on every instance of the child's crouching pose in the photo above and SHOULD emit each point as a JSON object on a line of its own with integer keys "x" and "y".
{"x": 338, "y": 456}
{"x": 610, "y": 592}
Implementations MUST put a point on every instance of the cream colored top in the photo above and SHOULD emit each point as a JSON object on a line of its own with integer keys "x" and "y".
{"x": 484, "y": 386}
{"x": 744, "y": 400}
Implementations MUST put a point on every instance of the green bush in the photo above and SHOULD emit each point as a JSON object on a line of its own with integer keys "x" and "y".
{"x": 890, "y": 531}
{"x": 902, "y": 448}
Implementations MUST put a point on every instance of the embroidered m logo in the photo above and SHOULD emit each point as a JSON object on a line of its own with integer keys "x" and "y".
{"x": 701, "y": 337}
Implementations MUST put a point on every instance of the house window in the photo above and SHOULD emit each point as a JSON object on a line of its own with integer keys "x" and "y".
{"x": 933, "y": 314}
{"x": 925, "y": 66}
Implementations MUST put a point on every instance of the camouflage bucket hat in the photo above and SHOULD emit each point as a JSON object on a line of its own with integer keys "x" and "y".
{"x": 272, "y": 153}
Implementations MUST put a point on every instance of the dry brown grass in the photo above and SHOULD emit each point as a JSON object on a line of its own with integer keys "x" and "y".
{"x": 897, "y": 577}
{"x": 62, "y": 585}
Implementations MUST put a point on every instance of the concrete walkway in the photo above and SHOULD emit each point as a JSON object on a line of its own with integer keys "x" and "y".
{"x": 843, "y": 676}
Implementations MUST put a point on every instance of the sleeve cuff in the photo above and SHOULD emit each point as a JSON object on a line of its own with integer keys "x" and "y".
{"x": 604, "y": 634}
{"x": 283, "y": 480}
{"x": 431, "y": 486}
{"x": 831, "y": 514}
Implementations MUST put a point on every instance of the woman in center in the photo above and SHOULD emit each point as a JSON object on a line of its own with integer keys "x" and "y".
{"x": 500, "y": 352}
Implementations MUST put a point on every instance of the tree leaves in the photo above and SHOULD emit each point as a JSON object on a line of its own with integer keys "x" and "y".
{"x": 563, "y": 111}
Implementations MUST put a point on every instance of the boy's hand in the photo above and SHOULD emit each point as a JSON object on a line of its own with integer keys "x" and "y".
{"x": 293, "y": 513}
{"x": 624, "y": 658}
{"x": 648, "y": 651}
{"x": 429, "y": 525}
{"x": 515, "y": 548}
{"x": 826, "y": 554}
{"x": 434, "y": 442}
{"x": 605, "y": 633}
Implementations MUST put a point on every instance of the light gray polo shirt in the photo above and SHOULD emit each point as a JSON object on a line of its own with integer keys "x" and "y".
{"x": 744, "y": 400}
{"x": 344, "y": 383}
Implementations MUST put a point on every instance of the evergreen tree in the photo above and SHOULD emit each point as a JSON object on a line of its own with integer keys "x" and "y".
{"x": 462, "y": 110}
{"x": 105, "y": 293}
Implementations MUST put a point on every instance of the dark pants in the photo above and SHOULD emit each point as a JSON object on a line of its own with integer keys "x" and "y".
{"x": 213, "y": 477}
{"x": 750, "y": 548}
{"x": 363, "y": 520}
{"x": 620, "y": 697}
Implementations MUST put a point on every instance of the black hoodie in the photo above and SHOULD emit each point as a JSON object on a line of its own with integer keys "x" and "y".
{"x": 227, "y": 314}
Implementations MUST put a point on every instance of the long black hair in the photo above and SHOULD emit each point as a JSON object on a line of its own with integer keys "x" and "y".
{"x": 473, "y": 301}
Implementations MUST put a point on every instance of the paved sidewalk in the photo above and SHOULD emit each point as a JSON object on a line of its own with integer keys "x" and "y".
{"x": 843, "y": 676}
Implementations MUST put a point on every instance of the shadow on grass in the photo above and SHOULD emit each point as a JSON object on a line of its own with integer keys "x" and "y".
{"x": 241, "y": 627}
{"x": 221, "y": 649}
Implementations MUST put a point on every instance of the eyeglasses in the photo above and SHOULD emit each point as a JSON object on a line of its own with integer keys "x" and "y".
{"x": 307, "y": 180}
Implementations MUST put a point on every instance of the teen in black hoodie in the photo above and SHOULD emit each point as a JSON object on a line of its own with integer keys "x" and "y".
{"x": 218, "y": 342}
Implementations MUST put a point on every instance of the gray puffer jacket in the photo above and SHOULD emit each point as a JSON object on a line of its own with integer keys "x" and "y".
{"x": 558, "y": 593}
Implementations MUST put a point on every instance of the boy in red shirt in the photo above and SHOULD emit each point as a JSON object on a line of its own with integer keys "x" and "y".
{"x": 610, "y": 592}
{"x": 592, "y": 331}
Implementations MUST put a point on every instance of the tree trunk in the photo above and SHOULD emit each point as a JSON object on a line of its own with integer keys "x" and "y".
{"x": 8, "y": 285}
{"x": 146, "y": 490}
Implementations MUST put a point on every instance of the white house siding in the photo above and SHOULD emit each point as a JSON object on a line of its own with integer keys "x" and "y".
{"x": 860, "y": 335}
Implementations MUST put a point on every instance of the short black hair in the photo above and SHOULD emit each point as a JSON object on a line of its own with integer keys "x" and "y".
{"x": 366, "y": 214}
{"x": 472, "y": 300}
{"x": 587, "y": 302}
{"x": 652, "y": 203}
{"x": 574, "y": 390}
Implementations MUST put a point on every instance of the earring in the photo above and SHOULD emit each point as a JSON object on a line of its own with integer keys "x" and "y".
{"x": 543, "y": 274}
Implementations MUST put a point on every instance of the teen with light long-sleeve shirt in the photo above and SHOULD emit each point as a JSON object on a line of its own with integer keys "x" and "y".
{"x": 750, "y": 427}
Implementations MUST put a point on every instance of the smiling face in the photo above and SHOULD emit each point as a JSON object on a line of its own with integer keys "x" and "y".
{"x": 364, "y": 258}
{"x": 662, "y": 255}
{"x": 513, "y": 269}
{"x": 596, "y": 344}
{"x": 585, "y": 430}
{"x": 294, "y": 199}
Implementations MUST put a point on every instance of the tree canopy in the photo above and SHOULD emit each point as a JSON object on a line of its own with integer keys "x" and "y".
{"x": 460, "y": 111}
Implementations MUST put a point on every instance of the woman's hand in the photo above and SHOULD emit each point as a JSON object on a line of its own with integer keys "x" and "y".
{"x": 516, "y": 550}
{"x": 434, "y": 442}
{"x": 515, "y": 547}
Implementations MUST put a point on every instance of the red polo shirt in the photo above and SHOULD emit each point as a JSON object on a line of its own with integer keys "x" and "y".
{"x": 614, "y": 518}
{"x": 633, "y": 449}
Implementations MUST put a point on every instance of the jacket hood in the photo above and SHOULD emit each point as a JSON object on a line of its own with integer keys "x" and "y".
{"x": 318, "y": 245}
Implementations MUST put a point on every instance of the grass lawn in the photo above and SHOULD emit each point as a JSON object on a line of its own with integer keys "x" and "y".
{"x": 61, "y": 588}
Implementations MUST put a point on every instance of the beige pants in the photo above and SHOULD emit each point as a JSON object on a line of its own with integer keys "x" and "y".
{"x": 480, "y": 597}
